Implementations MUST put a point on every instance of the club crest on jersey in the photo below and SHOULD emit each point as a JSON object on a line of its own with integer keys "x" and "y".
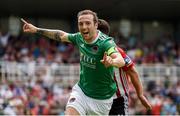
{"x": 95, "y": 48}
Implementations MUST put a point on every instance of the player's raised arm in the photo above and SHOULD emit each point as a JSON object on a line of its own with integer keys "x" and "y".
{"x": 57, "y": 35}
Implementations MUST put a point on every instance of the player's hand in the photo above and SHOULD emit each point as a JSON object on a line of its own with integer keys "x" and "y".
{"x": 29, "y": 28}
{"x": 145, "y": 102}
{"x": 107, "y": 60}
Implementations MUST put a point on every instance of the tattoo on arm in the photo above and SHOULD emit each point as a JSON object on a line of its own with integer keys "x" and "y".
{"x": 52, "y": 34}
{"x": 57, "y": 36}
{"x": 39, "y": 31}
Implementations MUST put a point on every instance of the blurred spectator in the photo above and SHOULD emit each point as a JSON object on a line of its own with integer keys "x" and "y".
{"x": 156, "y": 102}
{"x": 168, "y": 108}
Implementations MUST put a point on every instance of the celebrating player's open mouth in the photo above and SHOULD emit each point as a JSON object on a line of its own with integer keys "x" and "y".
{"x": 85, "y": 35}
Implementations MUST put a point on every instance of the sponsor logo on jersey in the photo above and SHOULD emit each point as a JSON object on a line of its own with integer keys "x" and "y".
{"x": 88, "y": 61}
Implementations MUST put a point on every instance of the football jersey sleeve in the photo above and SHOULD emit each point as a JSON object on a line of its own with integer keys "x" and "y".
{"x": 73, "y": 37}
{"x": 109, "y": 46}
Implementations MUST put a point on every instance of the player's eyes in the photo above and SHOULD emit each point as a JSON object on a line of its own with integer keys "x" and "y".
{"x": 84, "y": 23}
{"x": 80, "y": 24}
{"x": 88, "y": 23}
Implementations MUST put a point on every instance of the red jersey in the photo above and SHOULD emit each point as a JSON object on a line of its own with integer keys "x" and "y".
{"x": 121, "y": 77}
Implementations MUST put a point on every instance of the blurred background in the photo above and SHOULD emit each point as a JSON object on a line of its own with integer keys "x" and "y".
{"x": 37, "y": 74}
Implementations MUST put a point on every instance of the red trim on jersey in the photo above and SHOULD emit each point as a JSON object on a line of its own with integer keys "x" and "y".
{"x": 125, "y": 68}
{"x": 125, "y": 78}
{"x": 118, "y": 90}
{"x": 121, "y": 77}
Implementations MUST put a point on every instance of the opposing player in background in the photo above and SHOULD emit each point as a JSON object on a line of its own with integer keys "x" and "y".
{"x": 120, "y": 102}
{"x": 93, "y": 94}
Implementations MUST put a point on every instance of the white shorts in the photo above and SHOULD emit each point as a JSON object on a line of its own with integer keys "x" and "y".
{"x": 86, "y": 105}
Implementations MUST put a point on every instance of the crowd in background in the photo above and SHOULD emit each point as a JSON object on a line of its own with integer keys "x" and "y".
{"x": 40, "y": 98}
{"x": 33, "y": 98}
{"x": 163, "y": 49}
{"x": 164, "y": 97}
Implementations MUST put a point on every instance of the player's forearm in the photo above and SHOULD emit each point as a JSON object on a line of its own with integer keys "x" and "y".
{"x": 138, "y": 86}
{"x": 118, "y": 62}
{"x": 52, "y": 34}
{"x": 136, "y": 81}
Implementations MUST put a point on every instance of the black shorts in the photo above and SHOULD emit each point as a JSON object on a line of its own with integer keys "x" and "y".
{"x": 119, "y": 106}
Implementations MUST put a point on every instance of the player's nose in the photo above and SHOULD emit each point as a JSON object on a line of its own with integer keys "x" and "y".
{"x": 84, "y": 26}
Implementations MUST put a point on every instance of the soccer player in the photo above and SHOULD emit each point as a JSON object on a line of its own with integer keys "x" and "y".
{"x": 93, "y": 94}
{"x": 120, "y": 102}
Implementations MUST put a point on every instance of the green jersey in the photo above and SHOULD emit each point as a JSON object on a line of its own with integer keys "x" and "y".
{"x": 96, "y": 80}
